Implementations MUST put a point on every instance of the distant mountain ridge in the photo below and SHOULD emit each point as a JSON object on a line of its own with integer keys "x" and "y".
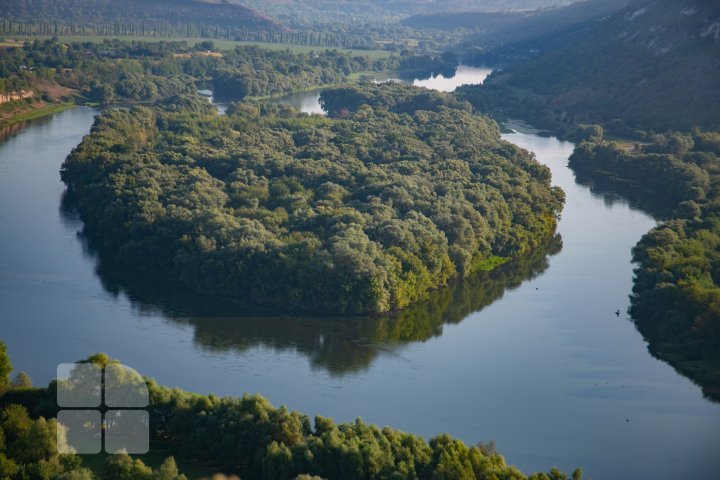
{"x": 218, "y": 14}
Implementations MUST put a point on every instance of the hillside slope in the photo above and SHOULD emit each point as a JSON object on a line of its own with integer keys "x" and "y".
{"x": 654, "y": 64}
{"x": 512, "y": 26}
{"x": 225, "y": 14}
{"x": 349, "y": 10}
{"x": 548, "y": 23}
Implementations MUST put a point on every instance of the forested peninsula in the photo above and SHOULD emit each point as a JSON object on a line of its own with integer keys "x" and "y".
{"x": 364, "y": 212}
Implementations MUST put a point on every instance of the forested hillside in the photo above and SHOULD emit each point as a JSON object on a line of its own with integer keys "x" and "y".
{"x": 349, "y": 10}
{"x": 362, "y": 213}
{"x": 652, "y": 65}
{"x": 510, "y": 28}
{"x": 191, "y": 18}
{"x": 538, "y": 29}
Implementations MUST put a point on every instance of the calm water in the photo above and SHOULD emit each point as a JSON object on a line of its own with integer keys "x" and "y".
{"x": 309, "y": 102}
{"x": 531, "y": 356}
{"x": 464, "y": 75}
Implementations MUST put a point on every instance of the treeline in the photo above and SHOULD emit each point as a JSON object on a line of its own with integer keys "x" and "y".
{"x": 398, "y": 98}
{"x": 165, "y": 18}
{"x": 245, "y": 436}
{"x": 665, "y": 178}
{"x": 158, "y": 31}
{"x": 676, "y": 293}
{"x": 210, "y": 318}
{"x": 151, "y": 17}
{"x": 446, "y": 63}
{"x": 254, "y": 72}
{"x": 121, "y": 72}
{"x": 363, "y": 213}
{"x": 29, "y": 443}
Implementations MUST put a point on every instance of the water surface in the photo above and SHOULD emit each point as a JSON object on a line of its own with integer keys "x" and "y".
{"x": 309, "y": 102}
{"x": 532, "y": 356}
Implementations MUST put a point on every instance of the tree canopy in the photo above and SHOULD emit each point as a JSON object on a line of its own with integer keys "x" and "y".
{"x": 244, "y": 436}
{"x": 6, "y": 367}
{"x": 676, "y": 297}
{"x": 363, "y": 213}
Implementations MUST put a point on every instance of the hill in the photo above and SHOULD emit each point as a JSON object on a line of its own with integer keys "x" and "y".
{"x": 485, "y": 21}
{"x": 535, "y": 25}
{"x": 162, "y": 17}
{"x": 332, "y": 11}
{"x": 653, "y": 64}
{"x": 513, "y": 26}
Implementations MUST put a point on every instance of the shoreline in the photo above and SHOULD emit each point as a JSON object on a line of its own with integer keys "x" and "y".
{"x": 33, "y": 111}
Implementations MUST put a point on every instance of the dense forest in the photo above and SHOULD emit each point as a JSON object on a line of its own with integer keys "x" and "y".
{"x": 676, "y": 298}
{"x": 246, "y": 436}
{"x": 159, "y": 18}
{"x": 226, "y": 325}
{"x": 46, "y": 75}
{"x": 117, "y": 71}
{"x": 364, "y": 212}
{"x": 226, "y": 19}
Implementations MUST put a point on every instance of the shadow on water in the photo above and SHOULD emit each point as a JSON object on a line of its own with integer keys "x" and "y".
{"x": 613, "y": 190}
{"x": 340, "y": 345}
{"x": 12, "y": 129}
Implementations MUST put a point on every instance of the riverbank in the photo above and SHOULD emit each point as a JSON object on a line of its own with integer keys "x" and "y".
{"x": 353, "y": 78}
{"x": 22, "y": 111}
{"x": 551, "y": 325}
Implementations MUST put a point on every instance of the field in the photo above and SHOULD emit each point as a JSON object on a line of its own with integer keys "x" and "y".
{"x": 220, "y": 44}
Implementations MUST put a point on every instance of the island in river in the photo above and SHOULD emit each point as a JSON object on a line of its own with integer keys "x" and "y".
{"x": 366, "y": 212}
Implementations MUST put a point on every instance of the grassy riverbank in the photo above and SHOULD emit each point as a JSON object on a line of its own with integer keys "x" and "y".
{"x": 22, "y": 112}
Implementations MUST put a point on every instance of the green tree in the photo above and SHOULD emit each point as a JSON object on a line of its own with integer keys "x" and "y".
{"x": 168, "y": 471}
{"x": 5, "y": 366}
{"x": 22, "y": 380}
{"x": 123, "y": 467}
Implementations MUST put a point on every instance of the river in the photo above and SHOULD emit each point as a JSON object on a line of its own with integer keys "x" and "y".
{"x": 531, "y": 356}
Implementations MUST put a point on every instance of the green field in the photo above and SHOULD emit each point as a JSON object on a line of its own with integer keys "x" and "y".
{"x": 219, "y": 43}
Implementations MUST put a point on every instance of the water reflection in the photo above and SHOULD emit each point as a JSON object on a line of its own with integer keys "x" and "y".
{"x": 447, "y": 81}
{"x": 339, "y": 345}
{"x": 612, "y": 191}
{"x": 10, "y": 130}
{"x": 221, "y": 104}
{"x": 548, "y": 371}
